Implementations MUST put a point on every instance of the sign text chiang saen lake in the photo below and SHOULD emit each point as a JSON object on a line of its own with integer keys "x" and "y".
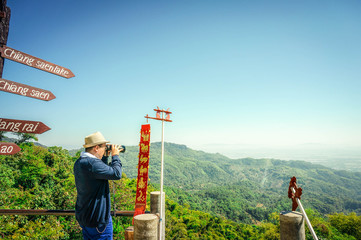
{"x": 35, "y": 62}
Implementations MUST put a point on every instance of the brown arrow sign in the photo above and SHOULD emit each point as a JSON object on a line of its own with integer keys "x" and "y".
{"x": 8, "y": 148}
{"x": 25, "y": 90}
{"x": 23, "y": 126}
{"x": 35, "y": 62}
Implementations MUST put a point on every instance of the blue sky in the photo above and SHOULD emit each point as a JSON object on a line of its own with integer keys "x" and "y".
{"x": 237, "y": 75}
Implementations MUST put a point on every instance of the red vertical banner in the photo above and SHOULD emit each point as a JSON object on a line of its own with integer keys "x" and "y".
{"x": 143, "y": 165}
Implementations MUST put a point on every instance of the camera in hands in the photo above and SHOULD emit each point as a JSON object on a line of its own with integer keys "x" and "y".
{"x": 121, "y": 148}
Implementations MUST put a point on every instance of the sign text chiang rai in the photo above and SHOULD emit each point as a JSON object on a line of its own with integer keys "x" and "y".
{"x": 23, "y": 126}
{"x": 35, "y": 62}
{"x": 143, "y": 165}
{"x": 7, "y": 148}
{"x": 25, "y": 90}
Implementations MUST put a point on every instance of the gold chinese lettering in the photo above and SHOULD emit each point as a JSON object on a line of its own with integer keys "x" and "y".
{"x": 141, "y": 197}
{"x": 144, "y": 148}
{"x": 145, "y": 136}
{"x": 142, "y": 170}
{"x": 143, "y": 158}
{"x": 141, "y": 183}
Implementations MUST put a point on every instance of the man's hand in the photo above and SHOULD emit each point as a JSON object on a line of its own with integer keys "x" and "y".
{"x": 115, "y": 149}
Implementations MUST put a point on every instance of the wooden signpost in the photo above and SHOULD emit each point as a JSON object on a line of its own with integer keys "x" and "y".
{"x": 25, "y": 90}
{"x": 5, "y": 13}
{"x": 23, "y": 126}
{"x": 20, "y": 57}
{"x": 7, "y": 148}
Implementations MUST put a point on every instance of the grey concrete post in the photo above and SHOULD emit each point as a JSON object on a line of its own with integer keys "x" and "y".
{"x": 292, "y": 226}
{"x": 146, "y": 227}
{"x": 155, "y": 206}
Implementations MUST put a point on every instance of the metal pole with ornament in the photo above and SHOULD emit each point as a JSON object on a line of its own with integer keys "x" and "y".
{"x": 160, "y": 116}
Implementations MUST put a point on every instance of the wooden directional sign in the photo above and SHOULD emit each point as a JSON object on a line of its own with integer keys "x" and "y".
{"x": 35, "y": 62}
{"x": 7, "y": 148}
{"x": 23, "y": 126}
{"x": 25, "y": 90}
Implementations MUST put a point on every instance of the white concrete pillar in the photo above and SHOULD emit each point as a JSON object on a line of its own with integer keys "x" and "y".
{"x": 292, "y": 226}
{"x": 146, "y": 227}
{"x": 155, "y": 208}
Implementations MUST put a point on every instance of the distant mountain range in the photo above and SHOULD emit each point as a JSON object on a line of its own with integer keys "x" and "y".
{"x": 246, "y": 189}
{"x": 341, "y": 157}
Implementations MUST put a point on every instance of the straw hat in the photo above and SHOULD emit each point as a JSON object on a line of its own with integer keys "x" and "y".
{"x": 94, "y": 139}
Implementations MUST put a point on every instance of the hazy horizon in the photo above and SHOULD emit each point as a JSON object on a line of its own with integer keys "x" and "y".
{"x": 337, "y": 157}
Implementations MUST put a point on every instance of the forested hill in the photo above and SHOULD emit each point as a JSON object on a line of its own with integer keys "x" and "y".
{"x": 246, "y": 189}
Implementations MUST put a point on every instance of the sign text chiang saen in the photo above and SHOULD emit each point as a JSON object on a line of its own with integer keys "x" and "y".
{"x": 23, "y": 126}
{"x": 25, "y": 90}
{"x": 35, "y": 62}
{"x": 7, "y": 148}
{"x": 143, "y": 165}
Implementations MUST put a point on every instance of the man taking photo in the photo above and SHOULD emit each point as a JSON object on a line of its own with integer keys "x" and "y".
{"x": 91, "y": 171}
